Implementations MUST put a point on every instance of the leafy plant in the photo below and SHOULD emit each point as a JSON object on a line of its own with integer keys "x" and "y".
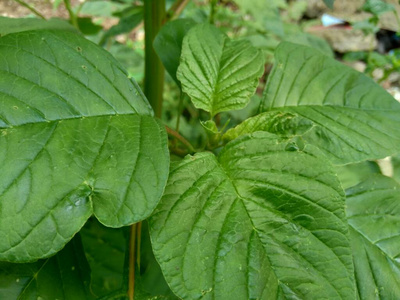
{"x": 258, "y": 211}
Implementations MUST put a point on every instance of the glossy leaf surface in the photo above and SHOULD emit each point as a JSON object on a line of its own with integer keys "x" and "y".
{"x": 373, "y": 211}
{"x": 218, "y": 74}
{"x": 254, "y": 223}
{"x": 355, "y": 118}
{"x": 63, "y": 276}
{"x": 77, "y": 138}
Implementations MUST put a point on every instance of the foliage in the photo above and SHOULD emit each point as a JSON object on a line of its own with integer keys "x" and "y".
{"x": 282, "y": 203}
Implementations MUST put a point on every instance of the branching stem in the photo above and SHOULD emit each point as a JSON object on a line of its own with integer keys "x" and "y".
{"x": 23, "y": 3}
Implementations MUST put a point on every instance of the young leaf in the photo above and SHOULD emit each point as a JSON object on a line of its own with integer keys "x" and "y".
{"x": 254, "y": 223}
{"x": 284, "y": 124}
{"x": 354, "y": 117}
{"x": 63, "y": 276}
{"x": 77, "y": 137}
{"x": 218, "y": 74}
{"x": 168, "y": 44}
{"x": 373, "y": 212}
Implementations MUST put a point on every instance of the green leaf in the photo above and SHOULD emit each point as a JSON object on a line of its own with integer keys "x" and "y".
{"x": 12, "y": 25}
{"x": 254, "y": 223}
{"x": 63, "y": 276}
{"x": 354, "y": 117}
{"x": 373, "y": 211}
{"x": 329, "y": 3}
{"x": 378, "y": 7}
{"x": 129, "y": 19}
{"x": 87, "y": 27}
{"x": 284, "y": 124}
{"x": 218, "y": 74}
{"x": 168, "y": 44}
{"x": 105, "y": 250}
{"x": 77, "y": 138}
{"x": 264, "y": 14}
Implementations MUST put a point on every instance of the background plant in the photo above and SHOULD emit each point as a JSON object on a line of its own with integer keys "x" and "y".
{"x": 269, "y": 194}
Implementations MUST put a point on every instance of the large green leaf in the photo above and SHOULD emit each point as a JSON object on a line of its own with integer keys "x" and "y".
{"x": 254, "y": 223}
{"x": 77, "y": 137}
{"x": 168, "y": 44}
{"x": 63, "y": 276}
{"x": 11, "y": 25}
{"x": 218, "y": 74}
{"x": 355, "y": 118}
{"x": 373, "y": 211}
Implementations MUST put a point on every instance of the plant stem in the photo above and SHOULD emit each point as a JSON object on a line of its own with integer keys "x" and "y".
{"x": 213, "y": 4}
{"x": 72, "y": 16}
{"x": 154, "y": 13}
{"x": 176, "y": 9}
{"x": 138, "y": 243}
{"x": 180, "y": 110}
{"x": 31, "y": 9}
{"x": 180, "y": 138}
{"x": 132, "y": 252}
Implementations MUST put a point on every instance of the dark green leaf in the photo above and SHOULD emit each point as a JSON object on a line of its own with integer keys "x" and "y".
{"x": 63, "y": 276}
{"x": 218, "y": 74}
{"x": 354, "y": 117}
{"x": 329, "y": 3}
{"x": 77, "y": 138}
{"x": 373, "y": 211}
{"x": 86, "y": 26}
{"x": 254, "y": 223}
{"x": 105, "y": 250}
{"x": 168, "y": 44}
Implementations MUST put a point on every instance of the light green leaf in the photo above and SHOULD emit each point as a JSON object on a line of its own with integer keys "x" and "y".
{"x": 63, "y": 276}
{"x": 284, "y": 124}
{"x": 254, "y": 223}
{"x": 355, "y": 118}
{"x": 168, "y": 44}
{"x": 373, "y": 212}
{"x": 77, "y": 137}
{"x": 12, "y": 25}
{"x": 218, "y": 74}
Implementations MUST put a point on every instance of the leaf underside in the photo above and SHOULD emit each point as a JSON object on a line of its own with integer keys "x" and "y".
{"x": 77, "y": 138}
{"x": 218, "y": 74}
{"x": 374, "y": 218}
{"x": 354, "y": 117}
{"x": 252, "y": 224}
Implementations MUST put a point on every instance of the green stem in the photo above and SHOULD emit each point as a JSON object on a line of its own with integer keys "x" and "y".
{"x": 31, "y": 9}
{"x": 176, "y": 9}
{"x": 180, "y": 110}
{"x": 213, "y": 4}
{"x": 154, "y": 14}
{"x": 180, "y": 138}
{"x": 132, "y": 254}
{"x": 72, "y": 16}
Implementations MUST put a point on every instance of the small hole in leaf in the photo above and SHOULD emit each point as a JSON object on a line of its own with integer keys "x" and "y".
{"x": 84, "y": 67}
